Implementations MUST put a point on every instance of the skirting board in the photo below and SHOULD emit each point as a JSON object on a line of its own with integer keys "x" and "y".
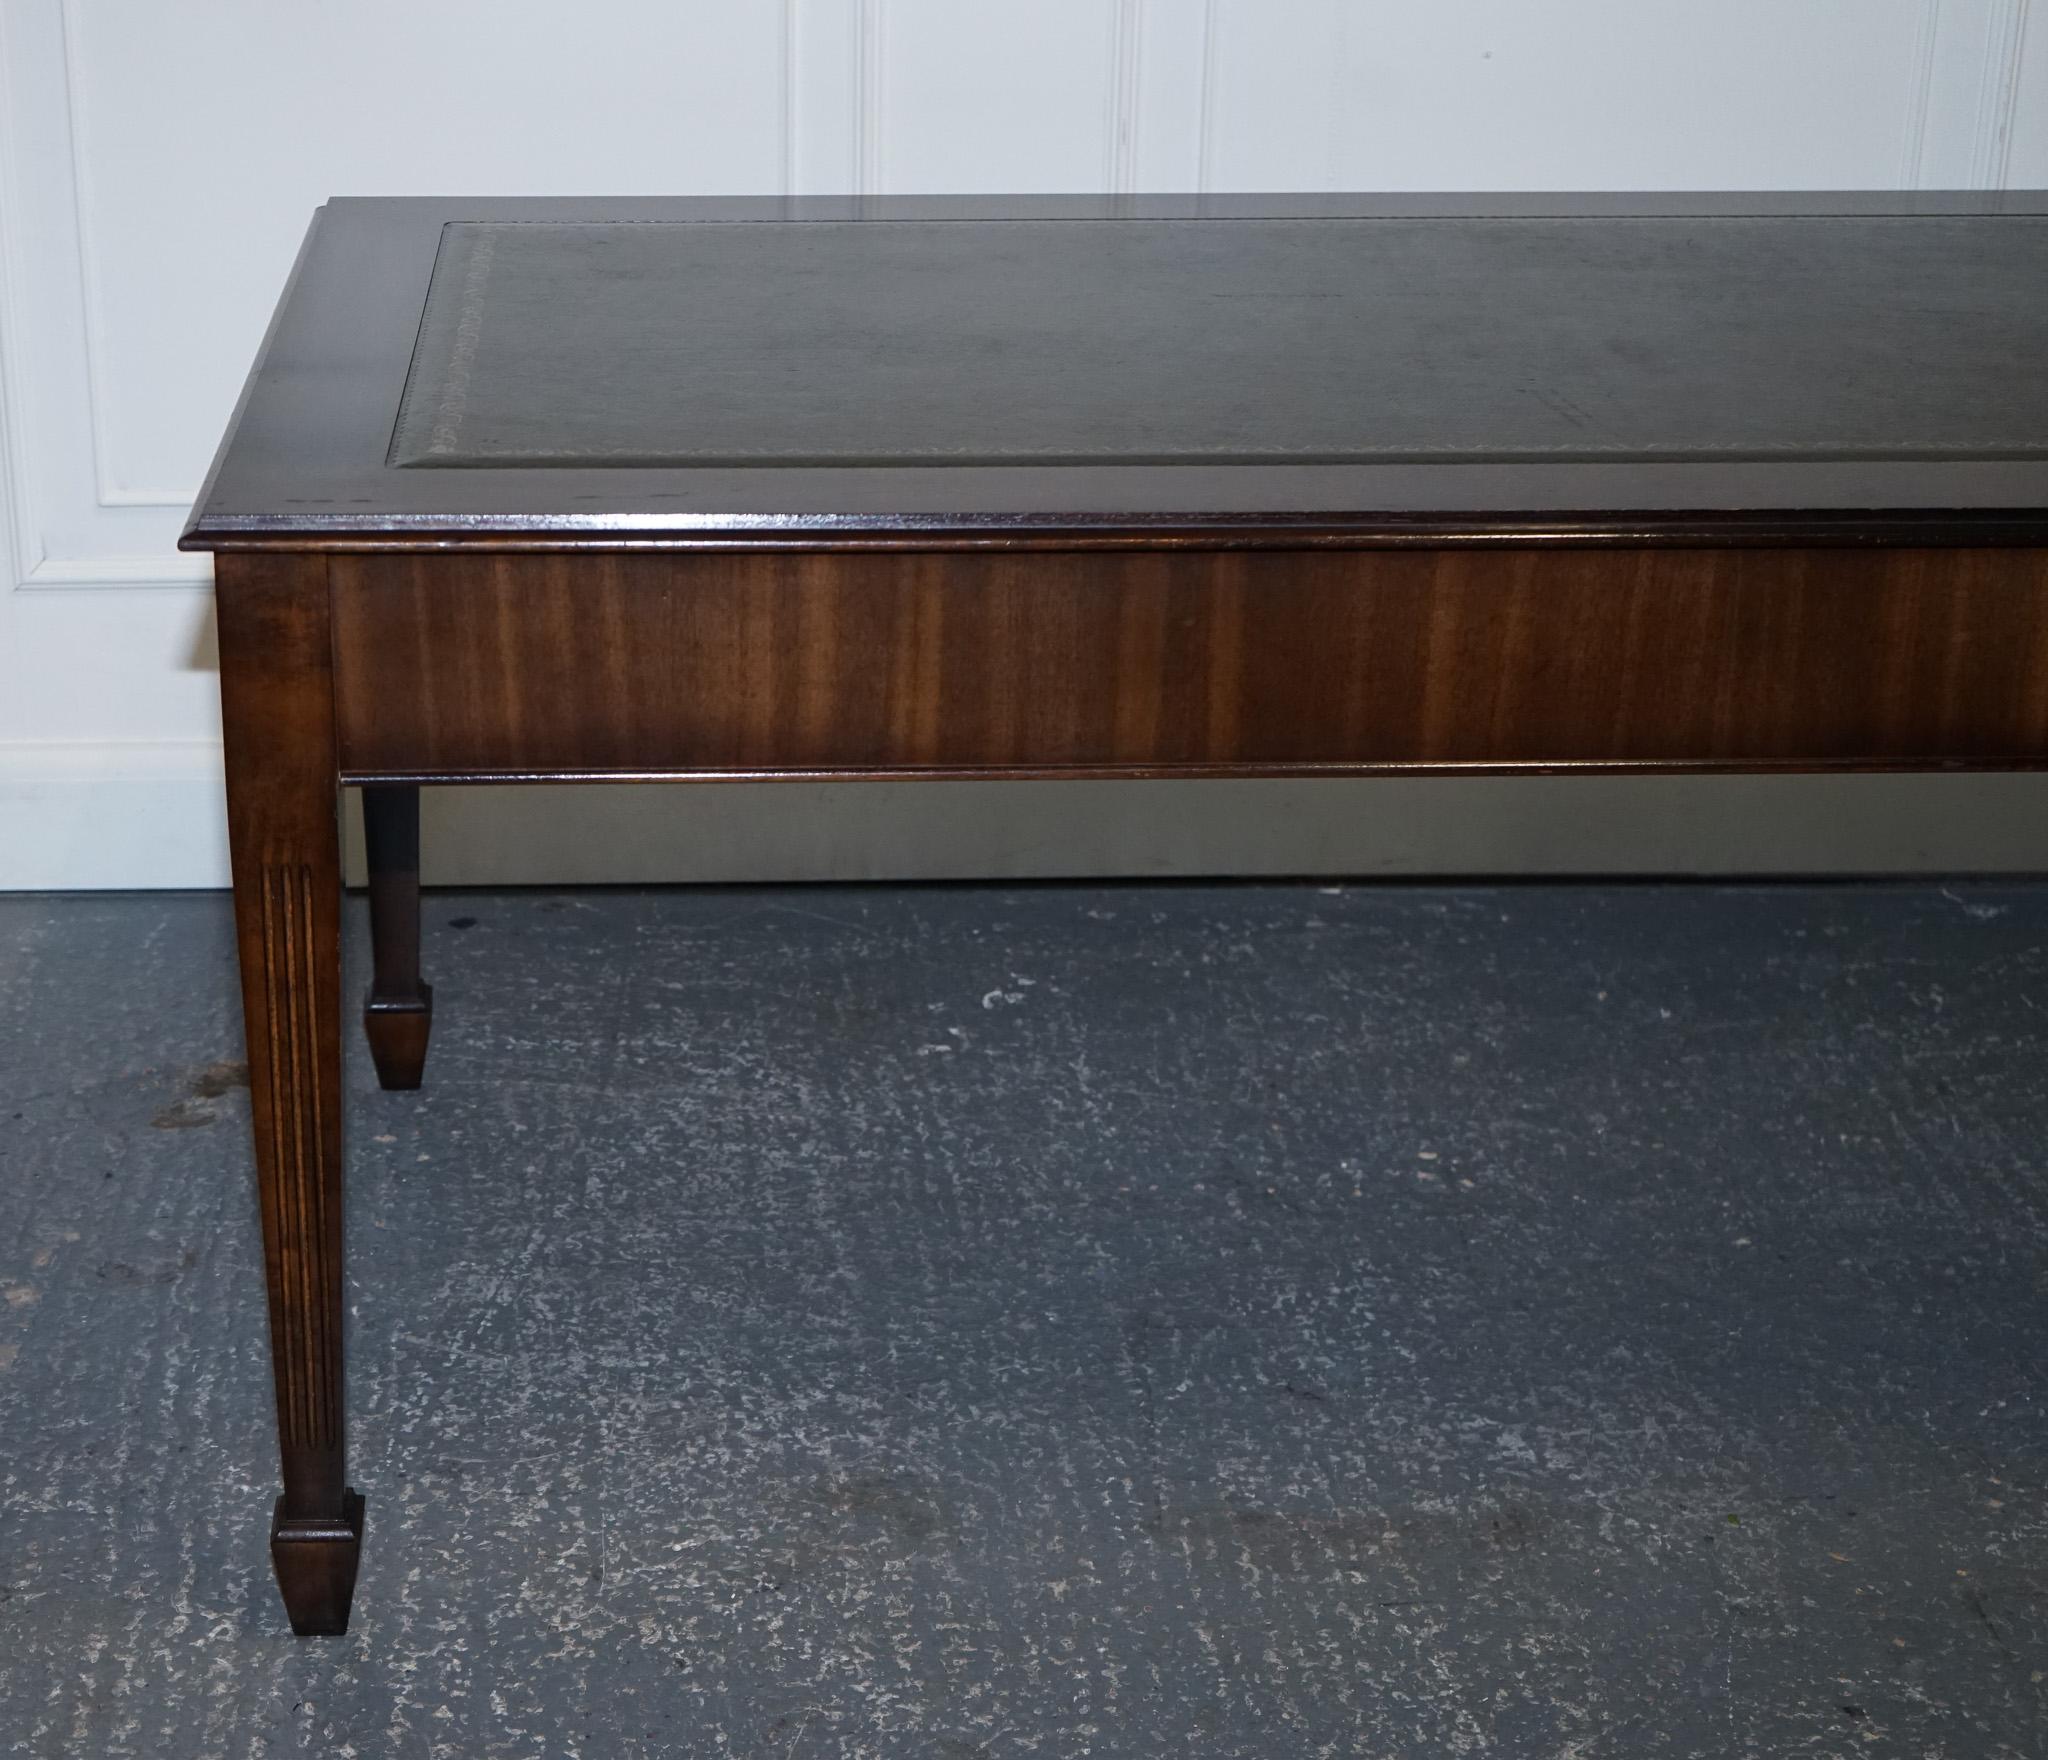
{"x": 89, "y": 816}
{"x": 1381, "y": 828}
{"x": 112, "y": 816}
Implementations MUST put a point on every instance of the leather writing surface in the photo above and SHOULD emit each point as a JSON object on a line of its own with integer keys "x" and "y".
{"x": 1212, "y": 341}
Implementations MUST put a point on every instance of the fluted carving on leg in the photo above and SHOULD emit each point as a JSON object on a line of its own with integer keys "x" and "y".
{"x": 311, "y": 1416}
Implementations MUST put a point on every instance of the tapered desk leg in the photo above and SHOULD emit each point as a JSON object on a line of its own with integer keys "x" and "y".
{"x": 277, "y": 701}
{"x": 398, "y": 1014}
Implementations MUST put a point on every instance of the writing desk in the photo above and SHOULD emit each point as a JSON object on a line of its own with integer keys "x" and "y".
{"x": 1255, "y": 486}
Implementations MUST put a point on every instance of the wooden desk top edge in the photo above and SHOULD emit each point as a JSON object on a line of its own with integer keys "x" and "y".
{"x": 331, "y": 366}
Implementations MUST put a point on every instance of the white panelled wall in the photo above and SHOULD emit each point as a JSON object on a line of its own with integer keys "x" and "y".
{"x": 158, "y": 164}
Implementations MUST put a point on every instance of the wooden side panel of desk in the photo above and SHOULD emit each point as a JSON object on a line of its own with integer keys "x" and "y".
{"x": 1205, "y": 662}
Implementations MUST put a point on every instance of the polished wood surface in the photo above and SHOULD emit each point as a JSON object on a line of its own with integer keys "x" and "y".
{"x": 1602, "y": 578}
{"x": 398, "y": 1013}
{"x": 277, "y": 710}
{"x": 1208, "y": 662}
{"x": 1620, "y": 367}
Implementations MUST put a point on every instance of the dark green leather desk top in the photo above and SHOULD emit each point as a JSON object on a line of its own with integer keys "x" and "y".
{"x": 1227, "y": 341}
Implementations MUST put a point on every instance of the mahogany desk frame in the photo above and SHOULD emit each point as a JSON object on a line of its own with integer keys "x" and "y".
{"x": 384, "y": 628}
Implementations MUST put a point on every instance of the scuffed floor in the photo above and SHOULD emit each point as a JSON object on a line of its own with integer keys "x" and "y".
{"x": 1277, "y": 1320}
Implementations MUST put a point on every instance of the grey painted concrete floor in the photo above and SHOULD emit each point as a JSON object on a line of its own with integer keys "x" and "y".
{"x": 1560, "y": 1321}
